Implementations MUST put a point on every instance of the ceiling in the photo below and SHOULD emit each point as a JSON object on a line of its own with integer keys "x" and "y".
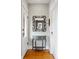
{"x": 38, "y": 1}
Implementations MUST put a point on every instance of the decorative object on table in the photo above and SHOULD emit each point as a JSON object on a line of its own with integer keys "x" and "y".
{"x": 39, "y": 23}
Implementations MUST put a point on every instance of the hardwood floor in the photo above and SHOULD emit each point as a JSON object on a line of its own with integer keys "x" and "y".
{"x": 33, "y": 54}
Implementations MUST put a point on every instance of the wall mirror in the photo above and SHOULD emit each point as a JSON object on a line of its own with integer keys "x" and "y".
{"x": 39, "y": 23}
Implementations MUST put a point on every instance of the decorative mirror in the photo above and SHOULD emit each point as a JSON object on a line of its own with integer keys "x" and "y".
{"x": 39, "y": 23}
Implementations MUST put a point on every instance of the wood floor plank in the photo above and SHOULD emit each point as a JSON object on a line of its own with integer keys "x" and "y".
{"x": 33, "y": 54}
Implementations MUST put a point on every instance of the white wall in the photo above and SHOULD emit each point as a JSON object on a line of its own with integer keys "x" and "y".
{"x": 53, "y": 27}
{"x": 24, "y": 25}
{"x": 37, "y": 10}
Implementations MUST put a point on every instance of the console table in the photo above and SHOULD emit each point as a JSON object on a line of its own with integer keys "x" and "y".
{"x": 39, "y": 44}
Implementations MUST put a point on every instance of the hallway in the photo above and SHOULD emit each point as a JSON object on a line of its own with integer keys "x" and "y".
{"x": 33, "y": 54}
{"x": 39, "y": 32}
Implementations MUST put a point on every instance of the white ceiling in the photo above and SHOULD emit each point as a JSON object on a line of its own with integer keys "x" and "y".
{"x": 38, "y": 1}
